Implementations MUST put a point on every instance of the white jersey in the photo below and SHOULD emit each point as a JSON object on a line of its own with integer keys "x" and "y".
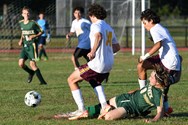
{"x": 104, "y": 58}
{"x": 82, "y": 29}
{"x": 168, "y": 52}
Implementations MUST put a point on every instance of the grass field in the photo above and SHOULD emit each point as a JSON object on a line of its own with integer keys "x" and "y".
{"x": 57, "y": 98}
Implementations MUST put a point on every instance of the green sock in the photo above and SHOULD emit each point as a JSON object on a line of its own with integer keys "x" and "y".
{"x": 39, "y": 75}
{"x": 94, "y": 111}
{"x": 28, "y": 70}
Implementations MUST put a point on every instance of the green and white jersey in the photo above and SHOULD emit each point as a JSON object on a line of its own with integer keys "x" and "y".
{"x": 31, "y": 28}
{"x": 146, "y": 99}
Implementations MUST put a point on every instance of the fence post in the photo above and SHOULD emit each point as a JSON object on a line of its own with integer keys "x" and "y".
{"x": 186, "y": 36}
{"x": 127, "y": 35}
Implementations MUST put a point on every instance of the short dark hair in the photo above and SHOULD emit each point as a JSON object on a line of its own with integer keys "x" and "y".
{"x": 97, "y": 11}
{"x": 149, "y": 15}
{"x": 81, "y": 9}
{"x": 26, "y": 8}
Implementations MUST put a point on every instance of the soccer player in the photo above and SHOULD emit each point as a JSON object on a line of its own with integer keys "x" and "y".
{"x": 45, "y": 37}
{"x": 139, "y": 102}
{"x": 168, "y": 56}
{"x": 134, "y": 103}
{"x": 81, "y": 27}
{"x": 103, "y": 44}
{"x": 29, "y": 38}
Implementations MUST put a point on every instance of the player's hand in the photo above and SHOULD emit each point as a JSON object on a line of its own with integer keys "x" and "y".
{"x": 91, "y": 55}
{"x": 68, "y": 36}
{"x": 148, "y": 120}
{"x": 20, "y": 43}
{"x": 140, "y": 59}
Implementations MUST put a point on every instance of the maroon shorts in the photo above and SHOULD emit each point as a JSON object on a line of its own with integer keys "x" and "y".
{"x": 88, "y": 74}
{"x": 156, "y": 60}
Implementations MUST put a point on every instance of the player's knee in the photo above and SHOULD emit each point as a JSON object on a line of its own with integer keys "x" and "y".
{"x": 139, "y": 66}
{"x": 21, "y": 64}
{"x": 108, "y": 116}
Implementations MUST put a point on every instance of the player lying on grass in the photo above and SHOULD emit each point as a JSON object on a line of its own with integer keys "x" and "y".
{"x": 135, "y": 103}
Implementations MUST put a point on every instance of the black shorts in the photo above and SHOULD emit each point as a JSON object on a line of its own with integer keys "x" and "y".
{"x": 79, "y": 52}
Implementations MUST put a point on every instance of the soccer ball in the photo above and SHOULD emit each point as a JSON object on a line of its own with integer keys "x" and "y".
{"x": 32, "y": 99}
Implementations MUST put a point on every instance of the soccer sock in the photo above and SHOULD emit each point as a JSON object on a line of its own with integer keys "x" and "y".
{"x": 39, "y": 75}
{"x": 77, "y": 95}
{"x": 165, "y": 104}
{"x": 41, "y": 52}
{"x": 44, "y": 52}
{"x": 28, "y": 70}
{"x": 94, "y": 111}
{"x": 99, "y": 90}
{"x": 142, "y": 83}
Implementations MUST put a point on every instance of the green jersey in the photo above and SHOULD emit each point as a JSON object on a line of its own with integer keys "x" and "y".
{"x": 146, "y": 99}
{"x": 31, "y": 28}
{"x": 29, "y": 50}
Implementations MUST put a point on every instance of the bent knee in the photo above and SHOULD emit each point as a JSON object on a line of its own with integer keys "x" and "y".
{"x": 109, "y": 117}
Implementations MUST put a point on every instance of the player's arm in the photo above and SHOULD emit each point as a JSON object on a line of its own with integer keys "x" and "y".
{"x": 154, "y": 49}
{"x": 20, "y": 41}
{"x": 159, "y": 115}
{"x": 35, "y": 35}
{"x": 69, "y": 35}
{"x": 97, "y": 42}
{"x": 116, "y": 47}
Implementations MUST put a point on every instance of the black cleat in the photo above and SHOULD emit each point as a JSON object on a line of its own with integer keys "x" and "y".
{"x": 43, "y": 83}
{"x": 30, "y": 78}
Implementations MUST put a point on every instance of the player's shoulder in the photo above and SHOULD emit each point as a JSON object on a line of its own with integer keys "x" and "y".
{"x": 21, "y": 21}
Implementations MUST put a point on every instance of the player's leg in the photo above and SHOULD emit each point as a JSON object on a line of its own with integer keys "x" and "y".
{"x": 75, "y": 57}
{"x": 22, "y": 65}
{"x": 38, "y": 73}
{"x": 174, "y": 78}
{"x": 115, "y": 114}
{"x": 145, "y": 65}
{"x": 84, "y": 53}
{"x": 42, "y": 51}
{"x": 73, "y": 80}
{"x": 32, "y": 55}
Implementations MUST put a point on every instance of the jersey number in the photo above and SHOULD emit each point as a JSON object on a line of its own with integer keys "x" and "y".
{"x": 109, "y": 38}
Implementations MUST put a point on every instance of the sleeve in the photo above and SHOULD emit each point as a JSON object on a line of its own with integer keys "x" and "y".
{"x": 95, "y": 29}
{"x": 72, "y": 27}
{"x": 156, "y": 36}
{"x": 114, "y": 39}
{"x": 37, "y": 27}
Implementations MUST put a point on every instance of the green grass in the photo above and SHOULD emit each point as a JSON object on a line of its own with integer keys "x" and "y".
{"x": 56, "y": 96}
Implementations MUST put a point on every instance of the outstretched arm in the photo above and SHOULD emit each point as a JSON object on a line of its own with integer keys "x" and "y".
{"x": 159, "y": 115}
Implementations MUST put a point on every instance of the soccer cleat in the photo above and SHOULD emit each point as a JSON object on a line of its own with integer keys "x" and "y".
{"x": 46, "y": 58}
{"x": 168, "y": 112}
{"x": 43, "y": 83}
{"x": 78, "y": 114}
{"x": 105, "y": 111}
{"x": 37, "y": 59}
{"x": 30, "y": 78}
{"x": 63, "y": 115}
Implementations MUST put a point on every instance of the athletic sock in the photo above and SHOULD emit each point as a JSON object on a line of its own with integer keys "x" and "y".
{"x": 39, "y": 75}
{"x": 94, "y": 111}
{"x": 142, "y": 83}
{"x": 166, "y": 106}
{"x": 99, "y": 90}
{"x": 28, "y": 70}
{"x": 77, "y": 95}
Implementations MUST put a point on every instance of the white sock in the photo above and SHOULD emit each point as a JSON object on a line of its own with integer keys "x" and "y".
{"x": 165, "y": 104}
{"x": 77, "y": 95}
{"x": 99, "y": 91}
{"x": 142, "y": 83}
